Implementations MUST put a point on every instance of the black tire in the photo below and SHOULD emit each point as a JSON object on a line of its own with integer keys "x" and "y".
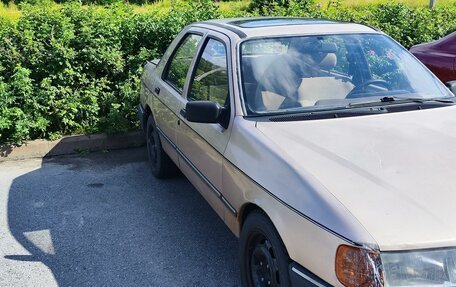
{"x": 263, "y": 257}
{"x": 160, "y": 163}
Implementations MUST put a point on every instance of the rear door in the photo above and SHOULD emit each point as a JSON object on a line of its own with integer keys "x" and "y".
{"x": 202, "y": 145}
{"x": 173, "y": 72}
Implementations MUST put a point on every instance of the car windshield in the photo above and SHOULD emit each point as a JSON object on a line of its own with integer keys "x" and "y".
{"x": 304, "y": 73}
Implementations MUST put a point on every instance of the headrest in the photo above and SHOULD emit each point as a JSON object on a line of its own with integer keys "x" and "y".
{"x": 316, "y": 52}
{"x": 328, "y": 62}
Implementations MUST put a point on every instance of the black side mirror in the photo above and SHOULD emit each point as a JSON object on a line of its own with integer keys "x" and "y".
{"x": 452, "y": 86}
{"x": 203, "y": 112}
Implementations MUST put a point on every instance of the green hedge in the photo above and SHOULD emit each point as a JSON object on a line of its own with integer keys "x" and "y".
{"x": 67, "y": 69}
{"x": 75, "y": 69}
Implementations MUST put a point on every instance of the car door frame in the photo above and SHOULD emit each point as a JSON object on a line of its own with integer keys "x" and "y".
{"x": 216, "y": 35}
{"x": 222, "y": 207}
{"x": 172, "y": 98}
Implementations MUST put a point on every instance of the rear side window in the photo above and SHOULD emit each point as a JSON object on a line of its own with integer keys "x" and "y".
{"x": 181, "y": 60}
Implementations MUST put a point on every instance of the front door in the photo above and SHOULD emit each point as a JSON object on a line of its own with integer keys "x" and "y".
{"x": 202, "y": 145}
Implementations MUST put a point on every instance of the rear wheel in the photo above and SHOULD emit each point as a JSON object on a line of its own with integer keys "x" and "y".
{"x": 264, "y": 259}
{"x": 160, "y": 163}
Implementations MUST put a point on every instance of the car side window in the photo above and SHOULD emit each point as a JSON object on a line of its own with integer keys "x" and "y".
{"x": 210, "y": 80}
{"x": 181, "y": 61}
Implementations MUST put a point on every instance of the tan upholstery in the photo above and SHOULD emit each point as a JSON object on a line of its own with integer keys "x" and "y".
{"x": 310, "y": 91}
{"x": 322, "y": 88}
{"x": 328, "y": 62}
{"x": 272, "y": 101}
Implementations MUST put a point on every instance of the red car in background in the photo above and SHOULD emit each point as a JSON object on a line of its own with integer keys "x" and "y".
{"x": 440, "y": 57}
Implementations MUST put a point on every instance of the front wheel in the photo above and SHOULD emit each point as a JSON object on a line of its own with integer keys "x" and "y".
{"x": 264, "y": 259}
{"x": 160, "y": 163}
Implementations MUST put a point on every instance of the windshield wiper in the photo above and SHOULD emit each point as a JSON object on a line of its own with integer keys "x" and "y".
{"x": 438, "y": 100}
{"x": 329, "y": 113}
{"x": 400, "y": 100}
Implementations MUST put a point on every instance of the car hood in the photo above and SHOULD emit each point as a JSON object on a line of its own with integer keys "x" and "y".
{"x": 396, "y": 173}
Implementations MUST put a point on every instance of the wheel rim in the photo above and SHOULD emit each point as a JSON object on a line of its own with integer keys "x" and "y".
{"x": 262, "y": 262}
{"x": 151, "y": 145}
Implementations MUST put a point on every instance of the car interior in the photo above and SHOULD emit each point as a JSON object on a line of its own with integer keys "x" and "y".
{"x": 304, "y": 75}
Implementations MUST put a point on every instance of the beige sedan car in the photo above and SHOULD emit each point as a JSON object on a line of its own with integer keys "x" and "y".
{"x": 326, "y": 147}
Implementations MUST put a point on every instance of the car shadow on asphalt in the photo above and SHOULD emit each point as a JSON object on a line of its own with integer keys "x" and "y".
{"x": 102, "y": 219}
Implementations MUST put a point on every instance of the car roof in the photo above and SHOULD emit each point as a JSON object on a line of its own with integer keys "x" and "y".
{"x": 274, "y": 26}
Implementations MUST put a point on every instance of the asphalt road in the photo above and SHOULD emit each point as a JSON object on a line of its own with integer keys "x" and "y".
{"x": 101, "y": 219}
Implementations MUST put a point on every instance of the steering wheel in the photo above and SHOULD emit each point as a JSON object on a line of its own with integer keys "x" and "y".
{"x": 362, "y": 87}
